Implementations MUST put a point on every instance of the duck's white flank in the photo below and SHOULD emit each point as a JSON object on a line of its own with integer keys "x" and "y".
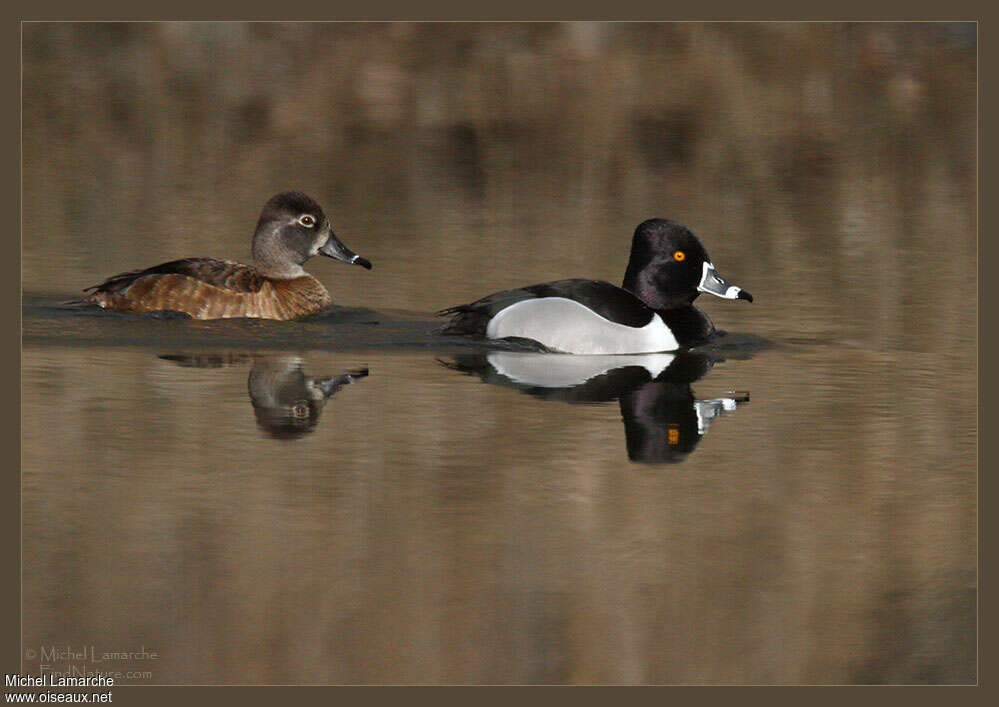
{"x": 555, "y": 371}
{"x": 565, "y": 325}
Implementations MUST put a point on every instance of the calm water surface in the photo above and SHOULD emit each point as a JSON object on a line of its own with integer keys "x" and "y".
{"x": 350, "y": 499}
{"x": 798, "y": 512}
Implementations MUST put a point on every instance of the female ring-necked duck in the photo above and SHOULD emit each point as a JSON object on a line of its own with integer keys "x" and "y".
{"x": 653, "y": 312}
{"x": 292, "y": 228}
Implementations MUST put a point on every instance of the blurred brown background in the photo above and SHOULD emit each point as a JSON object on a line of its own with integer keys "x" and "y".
{"x": 463, "y": 158}
{"x": 433, "y": 529}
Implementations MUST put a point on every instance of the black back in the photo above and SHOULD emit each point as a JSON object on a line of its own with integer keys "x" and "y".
{"x": 607, "y": 300}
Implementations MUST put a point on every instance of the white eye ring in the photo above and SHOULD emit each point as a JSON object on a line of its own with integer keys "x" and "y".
{"x": 307, "y": 220}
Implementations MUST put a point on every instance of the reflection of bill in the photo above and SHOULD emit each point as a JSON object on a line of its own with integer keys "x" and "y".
{"x": 663, "y": 421}
{"x": 286, "y": 402}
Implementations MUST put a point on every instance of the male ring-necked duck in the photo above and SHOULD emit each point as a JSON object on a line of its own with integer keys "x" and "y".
{"x": 292, "y": 228}
{"x": 653, "y": 312}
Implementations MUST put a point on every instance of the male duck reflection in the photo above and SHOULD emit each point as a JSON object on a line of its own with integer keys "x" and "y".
{"x": 286, "y": 402}
{"x": 292, "y": 228}
{"x": 654, "y": 311}
{"x": 663, "y": 421}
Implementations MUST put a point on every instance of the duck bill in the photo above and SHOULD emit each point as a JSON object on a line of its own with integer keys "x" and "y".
{"x": 715, "y": 284}
{"x": 334, "y": 383}
{"x": 334, "y": 248}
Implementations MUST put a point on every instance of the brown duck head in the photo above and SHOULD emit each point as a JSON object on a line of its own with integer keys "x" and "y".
{"x": 293, "y": 228}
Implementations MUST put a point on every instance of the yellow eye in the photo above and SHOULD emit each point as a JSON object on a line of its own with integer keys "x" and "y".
{"x": 307, "y": 221}
{"x": 679, "y": 256}
{"x": 300, "y": 410}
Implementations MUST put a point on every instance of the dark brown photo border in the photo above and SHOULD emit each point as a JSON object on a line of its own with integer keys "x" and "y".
{"x": 10, "y": 599}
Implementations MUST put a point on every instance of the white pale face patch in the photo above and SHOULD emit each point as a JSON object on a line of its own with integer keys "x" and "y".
{"x": 714, "y": 284}
{"x": 322, "y": 237}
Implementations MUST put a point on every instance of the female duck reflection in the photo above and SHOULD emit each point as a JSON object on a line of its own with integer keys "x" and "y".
{"x": 663, "y": 421}
{"x": 286, "y": 402}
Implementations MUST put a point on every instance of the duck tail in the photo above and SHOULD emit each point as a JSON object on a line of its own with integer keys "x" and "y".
{"x": 464, "y": 320}
{"x": 86, "y": 301}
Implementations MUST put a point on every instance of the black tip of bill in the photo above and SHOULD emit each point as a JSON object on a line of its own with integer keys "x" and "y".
{"x": 363, "y": 262}
{"x": 744, "y": 295}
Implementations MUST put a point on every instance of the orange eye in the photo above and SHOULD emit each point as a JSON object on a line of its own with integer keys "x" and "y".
{"x": 679, "y": 255}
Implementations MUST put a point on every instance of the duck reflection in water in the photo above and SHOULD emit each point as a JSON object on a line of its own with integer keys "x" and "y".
{"x": 286, "y": 402}
{"x": 663, "y": 420}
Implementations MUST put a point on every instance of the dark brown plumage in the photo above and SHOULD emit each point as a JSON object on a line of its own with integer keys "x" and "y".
{"x": 292, "y": 228}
